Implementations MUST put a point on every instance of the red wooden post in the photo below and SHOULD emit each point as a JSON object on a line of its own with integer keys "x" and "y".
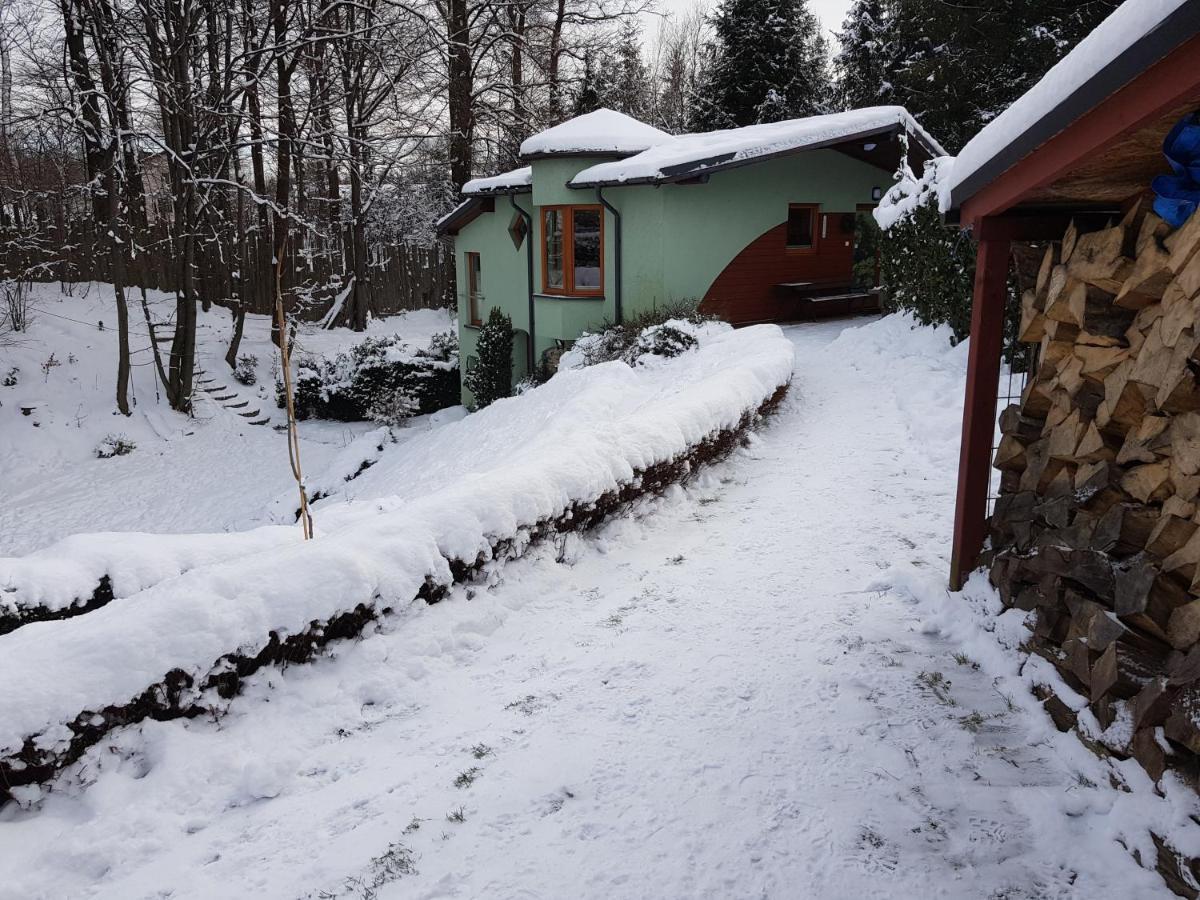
{"x": 979, "y": 408}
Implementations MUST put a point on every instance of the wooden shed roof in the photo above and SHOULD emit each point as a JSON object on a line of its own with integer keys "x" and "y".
{"x": 1097, "y": 140}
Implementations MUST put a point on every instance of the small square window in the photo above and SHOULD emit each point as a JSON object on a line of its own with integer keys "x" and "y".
{"x": 517, "y": 229}
{"x": 800, "y": 226}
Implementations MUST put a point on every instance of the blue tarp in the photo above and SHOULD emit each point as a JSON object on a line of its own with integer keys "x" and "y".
{"x": 1179, "y": 194}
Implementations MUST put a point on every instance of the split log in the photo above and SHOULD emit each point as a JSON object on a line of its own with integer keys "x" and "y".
{"x": 1151, "y": 706}
{"x": 1057, "y": 307}
{"x": 1153, "y": 230}
{"x": 1149, "y": 277}
{"x": 1065, "y": 438}
{"x": 1092, "y": 308}
{"x": 1098, "y": 259}
{"x": 1035, "y": 399}
{"x": 1050, "y": 259}
{"x": 1183, "y": 627}
{"x": 1147, "y": 597}
{"x": 1010, "y": 454}
{"x": 1183, "y": 724}
{"x": 1140, "y": 443}
{"x": 1095, "y": 446}
{"x": 1013, "y": 422}
{"x": 1150, "y": 482}
{"x": 1178, "y": 313}
{"x": 1186, "y": 559}
{"x": 1122, "y": 671}
{"x": 1170, "y": 534}
{"x": 1150, "y": 755}
{"x": 1183, "y": 244}
{"x": 1188, "y": 278}
{"x": 1033, "y": 324}
{"x": 1070, "y": 238}
{"x": 1124, "y": 529}
{"x": 1099, "y": 362}
{"x": 1124, "y": 402}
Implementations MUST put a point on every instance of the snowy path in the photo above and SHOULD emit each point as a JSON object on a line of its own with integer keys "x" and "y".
{"x": 704, "y": 702}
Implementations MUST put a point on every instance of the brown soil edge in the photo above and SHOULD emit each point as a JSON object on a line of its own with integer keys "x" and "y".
{"x": 179, "y": 696}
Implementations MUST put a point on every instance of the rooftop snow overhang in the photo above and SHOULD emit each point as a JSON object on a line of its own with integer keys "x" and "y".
{"x": 853, "y": 143}
{"x": 1120, "y": 141}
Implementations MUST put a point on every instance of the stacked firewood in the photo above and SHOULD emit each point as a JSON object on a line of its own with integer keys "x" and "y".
{"x": 1097, "y": 526}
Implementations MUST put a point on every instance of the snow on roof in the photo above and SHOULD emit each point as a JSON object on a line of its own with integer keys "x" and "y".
{"x": 504, "y": 182}
{"x": 602, "y": 131}
{"x": 695, "y": 152}
{"x": 1131, "y": 22}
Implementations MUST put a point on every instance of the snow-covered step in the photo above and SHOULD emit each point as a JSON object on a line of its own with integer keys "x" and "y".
{"x": 226, "y": 397}
{"x": 241, "y": 405}
{"x": 249, "y": 415}
{"x": 265, "y": 420}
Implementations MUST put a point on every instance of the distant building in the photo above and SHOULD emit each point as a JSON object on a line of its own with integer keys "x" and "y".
{"x": 613, "y": 217}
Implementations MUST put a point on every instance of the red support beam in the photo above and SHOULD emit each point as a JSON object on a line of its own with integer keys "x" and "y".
{"x": 979, "y": 407}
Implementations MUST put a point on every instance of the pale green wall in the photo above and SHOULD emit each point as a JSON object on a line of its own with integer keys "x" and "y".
{"x": 502, "y": 270}
{"x": 676, "y": 238}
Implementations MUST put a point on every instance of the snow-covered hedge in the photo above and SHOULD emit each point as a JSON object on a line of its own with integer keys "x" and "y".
{"x": 85, "y": 571}
{"x": 559, "y": 457}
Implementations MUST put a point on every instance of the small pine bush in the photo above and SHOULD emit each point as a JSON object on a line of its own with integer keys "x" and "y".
{"x": 244, "y": 372}
{"x": 114, "y": 445}
{"x": 491, "y": 379}
{"x": 665, "y": 341}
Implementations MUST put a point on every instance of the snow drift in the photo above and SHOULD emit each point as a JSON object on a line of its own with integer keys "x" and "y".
{"x": 462, "y": 495}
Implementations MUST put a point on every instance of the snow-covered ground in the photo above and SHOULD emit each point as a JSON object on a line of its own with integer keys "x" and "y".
{"x": 52, "y": 484}
{"x": 755, "y": 687}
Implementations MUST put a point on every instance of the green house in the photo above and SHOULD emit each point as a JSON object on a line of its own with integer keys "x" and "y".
{"x": 612, "y": 217}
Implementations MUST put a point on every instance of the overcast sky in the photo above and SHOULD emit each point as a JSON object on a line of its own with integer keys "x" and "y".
{"x": 831, "y": 12}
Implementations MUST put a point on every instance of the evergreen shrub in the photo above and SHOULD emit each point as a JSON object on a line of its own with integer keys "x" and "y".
{"x": 382, "y": 379}
{"x": 491, "y": 378}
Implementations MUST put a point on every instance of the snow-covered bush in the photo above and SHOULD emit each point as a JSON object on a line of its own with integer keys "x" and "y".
{"x": 11, "y": 377}
{"x": 662, "y": 331}
{"x": 666, "y": 341}
{"x": 245, "y": 370}
{"x": 114, "y": 445}
{"x": 378, "y": 379}
{"x": 491, "y": 377}
{"x": 926, "y": 267}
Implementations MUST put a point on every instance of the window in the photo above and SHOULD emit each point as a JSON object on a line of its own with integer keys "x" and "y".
{"x": 474, "y": 294}
{"x": 800, "y": 222}
{"x": 573, "y": 250}
{"x": 517, "y": 229}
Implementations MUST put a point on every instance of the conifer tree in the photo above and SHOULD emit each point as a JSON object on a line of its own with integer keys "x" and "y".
{"x": 768, "y": 61}
{"x": 491, "y": 378}
{"x": 863, "y": 64}
{"x": 956, "y": 66}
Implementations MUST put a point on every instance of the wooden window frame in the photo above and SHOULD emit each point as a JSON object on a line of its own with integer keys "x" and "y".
{"x": 814, "y": 212}
{"x": 473, "y": 288}
{"x": 568, "y": 253}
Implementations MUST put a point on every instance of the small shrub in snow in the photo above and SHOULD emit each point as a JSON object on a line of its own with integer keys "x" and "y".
{"x": 11, "y": 377}
{"x": 382, "y": 379}
{"x": 393, "y": 408}
{"x": 115, "y": 445}
{"x": 666, "y": 341}
{"x": 50, "y": 364}
{"x": 620, "y": 341}
{"x": 491, "y": 378}
{"x": 245, "y": 372}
